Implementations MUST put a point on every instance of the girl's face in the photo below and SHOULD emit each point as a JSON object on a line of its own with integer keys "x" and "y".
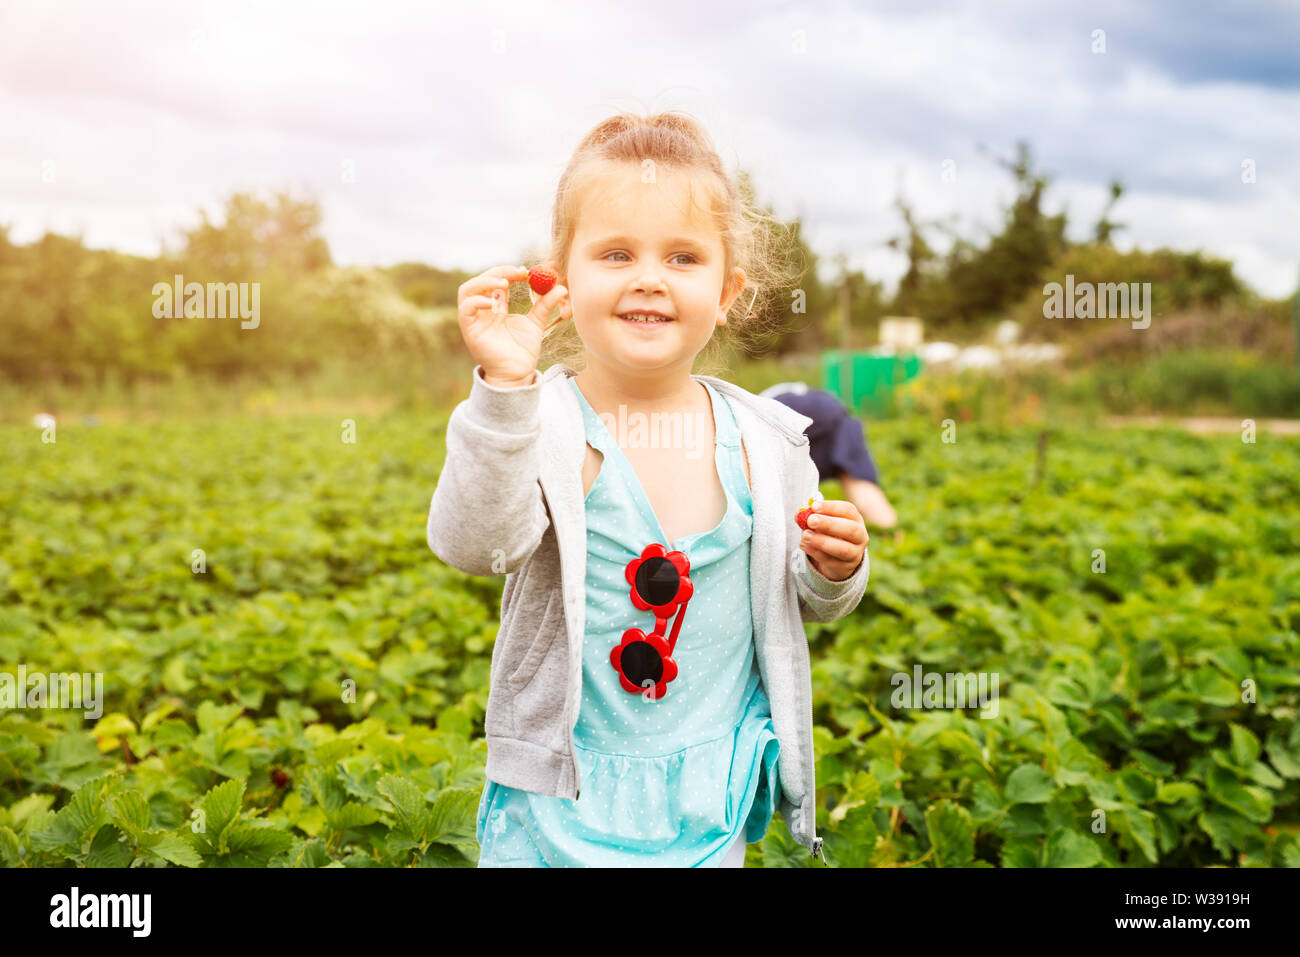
{"x": 639, "y": 246}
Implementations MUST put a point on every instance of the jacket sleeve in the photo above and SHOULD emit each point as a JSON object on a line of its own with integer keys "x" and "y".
{"x": 487, "y": 515}
{"x": 821, "y": 599}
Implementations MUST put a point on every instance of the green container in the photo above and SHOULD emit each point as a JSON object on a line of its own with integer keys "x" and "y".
{"x": 874, "y": 378}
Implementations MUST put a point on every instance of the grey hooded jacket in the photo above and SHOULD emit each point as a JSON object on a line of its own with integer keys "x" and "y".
{"x": 510, "y": 501}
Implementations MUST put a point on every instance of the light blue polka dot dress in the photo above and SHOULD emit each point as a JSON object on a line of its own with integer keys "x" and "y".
{"x": 668, "y": 781}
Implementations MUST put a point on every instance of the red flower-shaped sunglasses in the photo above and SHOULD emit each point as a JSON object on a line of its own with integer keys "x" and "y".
{"x": 659, "y": 584}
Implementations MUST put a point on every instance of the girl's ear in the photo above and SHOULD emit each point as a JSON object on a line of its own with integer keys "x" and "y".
{"x": 735, "y": 285}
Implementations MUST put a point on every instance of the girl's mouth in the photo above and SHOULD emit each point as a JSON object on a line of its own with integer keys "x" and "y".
{"x": 643, "y": 320}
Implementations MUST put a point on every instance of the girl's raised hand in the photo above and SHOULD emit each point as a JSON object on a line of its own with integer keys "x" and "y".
{"x": 505, "y": 344}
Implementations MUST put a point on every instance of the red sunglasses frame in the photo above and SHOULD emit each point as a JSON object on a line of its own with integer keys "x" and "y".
{"x": 655, "y": 640}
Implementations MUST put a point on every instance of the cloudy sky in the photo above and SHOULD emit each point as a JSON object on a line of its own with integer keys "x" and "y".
{"x": 437, "y": 132}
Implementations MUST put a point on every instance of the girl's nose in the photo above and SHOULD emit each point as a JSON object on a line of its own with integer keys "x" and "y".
{"x": 650, "y": 276}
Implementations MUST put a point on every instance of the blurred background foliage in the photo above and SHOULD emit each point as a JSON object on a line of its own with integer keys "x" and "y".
{"x": 81, "y": 335}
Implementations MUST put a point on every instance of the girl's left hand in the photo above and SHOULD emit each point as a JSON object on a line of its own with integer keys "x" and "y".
{"x": 836, "y": 539}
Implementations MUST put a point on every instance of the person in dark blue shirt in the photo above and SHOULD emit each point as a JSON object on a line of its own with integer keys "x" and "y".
{"x": 838, "y": 446}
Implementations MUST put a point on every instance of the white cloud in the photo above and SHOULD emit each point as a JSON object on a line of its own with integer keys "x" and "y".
{"x": 460, "y": 120}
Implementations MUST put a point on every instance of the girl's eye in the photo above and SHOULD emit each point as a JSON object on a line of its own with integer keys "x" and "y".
{"x": 621, "y": 253}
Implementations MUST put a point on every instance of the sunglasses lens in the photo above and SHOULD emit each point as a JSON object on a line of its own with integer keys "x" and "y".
{"x": 657, "y": 581}
{"x": 640, "y": 662}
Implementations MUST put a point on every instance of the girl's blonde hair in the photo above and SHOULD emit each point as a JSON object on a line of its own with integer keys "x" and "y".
{"x": 752, "y": 238}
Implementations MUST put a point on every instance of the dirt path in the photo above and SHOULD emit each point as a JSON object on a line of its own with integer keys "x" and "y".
{"x": 1204, "y": 424}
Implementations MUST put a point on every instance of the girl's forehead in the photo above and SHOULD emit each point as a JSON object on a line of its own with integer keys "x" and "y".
{"x": 623, "y": 202}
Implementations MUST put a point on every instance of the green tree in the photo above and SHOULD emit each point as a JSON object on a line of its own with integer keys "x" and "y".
{"x": 911, "y": 292}
{"x": 975, "y": 280}
{"x": 257, "y": 236}
{"x": 1105, "y": 225}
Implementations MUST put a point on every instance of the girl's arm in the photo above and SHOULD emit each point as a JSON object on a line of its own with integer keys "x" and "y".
{"x": 821, "y": 599}
{"x": 487, "y": 515}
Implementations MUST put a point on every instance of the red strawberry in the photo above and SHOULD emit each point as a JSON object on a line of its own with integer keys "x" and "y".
{"x": 541, "y": 280}
{"x": 801, "y": 517}
{"x": 279, "y": 778}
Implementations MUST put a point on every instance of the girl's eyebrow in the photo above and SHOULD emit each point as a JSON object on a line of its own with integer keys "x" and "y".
{"x": 630, "y": 241}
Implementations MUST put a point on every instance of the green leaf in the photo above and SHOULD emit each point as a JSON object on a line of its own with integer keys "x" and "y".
{"x": 1174, "y": 791}
{"x": 87, "y": 811}
{"x": 1210, "y": 686}
{"x": 1020, "y": 852}
{"x": 1261, "y": 773}
{"x": 1068, "y": 848}
{"x": 1245, "y": 746}
{"x": 176, "y": 849}
{"x": 10, "y": 847}
{"x": 327, "y": 789}
{"x": 220, "y": 807}
{"x": 108, "y": 850}
{"x": 214, "y": 717}
{"x": 444, "y": 855}
{"x": 851, "y": 842}
{"x": 131, "y": 812}
{"x": 1136, "y": 786}
{"x": 20, "y": 810}
{"x": 1029, "y": 784}
{"x": 1139, "y": 825}
{"x": 1067, "y": 693}
{"x": 1290, "y": 849}
{"x": 1251, "y": 802}
{"x": 409, "y": 805}
{"x": 253, "y": 844}
{"x": 113, "y": 724}
{"x": 454, "y": 721}
{"x": 1285, "y": 753}
{"x": 310, "y": 853}
{"x": 174, "y": 678}
{"x": 454, "y": 815}
{"x": 1227, "y": 832}
{"x": 952, "y": 835}
{"x": 352, "y": 815}
{"x": 1150, "y": 763}
{"x": 157, "y": 714}
{"x": 782, "y": 850}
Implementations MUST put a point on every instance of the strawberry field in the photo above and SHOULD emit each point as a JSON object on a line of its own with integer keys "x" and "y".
{"x": 292, "y": 679}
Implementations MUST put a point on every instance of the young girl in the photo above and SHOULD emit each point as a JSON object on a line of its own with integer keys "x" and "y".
{"x": 622, "y": 731}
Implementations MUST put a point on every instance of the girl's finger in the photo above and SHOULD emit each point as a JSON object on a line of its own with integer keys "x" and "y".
{"x": 834, "y": 548}
{"x": 498, "y": 277}
{"x": 837, "y": 507}
{"x": 541, "y": 311}
{"x": 848, "y": 529}
{"x": 470, "y": 305}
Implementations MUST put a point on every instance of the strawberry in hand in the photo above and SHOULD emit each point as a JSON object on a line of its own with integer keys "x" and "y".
{"x": 835, "y": 538}
{"x": 541, "y": 280}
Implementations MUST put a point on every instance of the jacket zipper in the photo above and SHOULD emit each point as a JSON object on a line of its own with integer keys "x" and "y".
{"x": 816, "y": 846}
{"x": 573, "y": 748}
{"x": 812, "y": 770}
